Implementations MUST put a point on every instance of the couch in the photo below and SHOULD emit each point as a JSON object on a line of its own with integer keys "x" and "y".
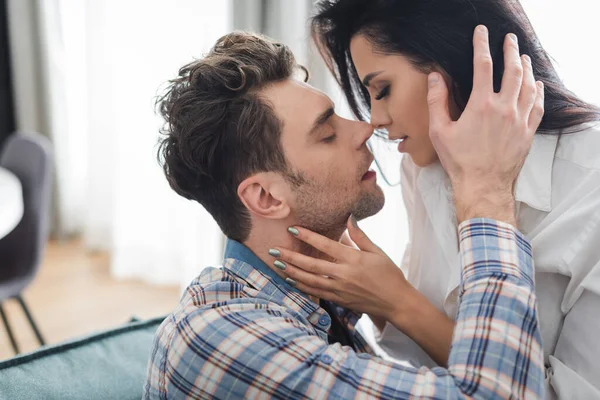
{"x": 105, "y": 365}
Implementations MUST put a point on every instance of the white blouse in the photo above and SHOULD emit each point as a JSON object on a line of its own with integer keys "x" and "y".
{"x": 558, "y": 208}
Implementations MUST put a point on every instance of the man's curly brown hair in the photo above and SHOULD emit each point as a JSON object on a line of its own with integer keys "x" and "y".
{"x": 218, "y": 130}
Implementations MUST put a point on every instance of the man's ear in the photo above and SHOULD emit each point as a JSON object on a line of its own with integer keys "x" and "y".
{"x": 263, "y": 194}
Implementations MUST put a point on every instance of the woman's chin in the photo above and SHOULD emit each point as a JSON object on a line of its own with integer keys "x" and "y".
{"x": 423, "y": 160}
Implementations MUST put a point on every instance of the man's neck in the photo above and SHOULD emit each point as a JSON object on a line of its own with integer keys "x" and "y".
{"x": 276, "y": 235}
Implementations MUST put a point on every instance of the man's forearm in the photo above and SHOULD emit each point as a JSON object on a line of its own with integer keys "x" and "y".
{"x": 497, "y": 322}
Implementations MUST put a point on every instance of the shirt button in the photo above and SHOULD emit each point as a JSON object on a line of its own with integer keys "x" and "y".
{"x": 326, "y": 358}
{"x": 324, "y": 320}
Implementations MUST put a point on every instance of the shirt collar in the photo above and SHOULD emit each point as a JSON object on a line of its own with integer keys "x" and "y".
{"x": 238, "y": 251}
{"x": 534, "y": 184}
{"x": 241, "y": 261}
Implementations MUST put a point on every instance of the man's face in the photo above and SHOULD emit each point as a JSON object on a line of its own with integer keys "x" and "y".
{"x": 328, "y": 156}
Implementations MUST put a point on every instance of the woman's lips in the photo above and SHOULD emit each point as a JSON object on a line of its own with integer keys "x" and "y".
{"x": 402, "y": 144}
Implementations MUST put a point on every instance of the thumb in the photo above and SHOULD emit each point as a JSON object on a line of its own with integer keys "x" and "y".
{"x": 345, "y": 240}
{"x": 437, "y": 99}
{"x": 360, "y": 238}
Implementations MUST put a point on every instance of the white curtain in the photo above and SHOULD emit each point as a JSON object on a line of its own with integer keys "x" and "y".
{"x": 102, "y": 63}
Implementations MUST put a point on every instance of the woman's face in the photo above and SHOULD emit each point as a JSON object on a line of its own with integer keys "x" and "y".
{"x": 398, "y": 98}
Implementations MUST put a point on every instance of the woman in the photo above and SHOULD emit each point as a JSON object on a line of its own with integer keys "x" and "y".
{"x": 381, "y": 53}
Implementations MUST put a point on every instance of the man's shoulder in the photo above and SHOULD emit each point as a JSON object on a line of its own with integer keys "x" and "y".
{"x": 216, "y": 288}
{"x": 218, "y": 315}
{"x": 215, "y": 284}
{"x": 212, "y": 301}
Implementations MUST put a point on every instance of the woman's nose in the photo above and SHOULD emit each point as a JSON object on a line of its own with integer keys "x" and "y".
{"x": 380, "y": 118}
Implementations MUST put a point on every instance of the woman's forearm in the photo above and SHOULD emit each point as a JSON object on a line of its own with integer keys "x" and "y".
{"x": 379, "y": 322}
{"x": 426, "y": 325}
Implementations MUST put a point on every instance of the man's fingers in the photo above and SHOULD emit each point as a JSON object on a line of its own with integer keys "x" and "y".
{"x": 483, "y": 80}
{"x": 537, "y": 112}
{"x": 334, "y": 249}
{"x": 437, "y": 99}
{"x": 513, "y": 70}
{"x": 528, "y": 92}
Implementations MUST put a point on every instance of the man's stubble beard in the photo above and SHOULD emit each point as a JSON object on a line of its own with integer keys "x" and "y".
{"x": 328, "y": 214}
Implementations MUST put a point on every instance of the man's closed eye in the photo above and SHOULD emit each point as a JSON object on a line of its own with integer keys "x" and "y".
{"x": 329, "y": 139}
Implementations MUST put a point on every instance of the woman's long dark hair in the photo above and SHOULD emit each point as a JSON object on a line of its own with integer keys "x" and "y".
{"x": 439, "y": 33}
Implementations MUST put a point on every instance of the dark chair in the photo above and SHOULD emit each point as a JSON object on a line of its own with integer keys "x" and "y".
{"x": 29, "y": 157}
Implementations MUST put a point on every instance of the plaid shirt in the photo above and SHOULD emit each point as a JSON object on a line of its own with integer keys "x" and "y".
{"x": 241, "y": 332}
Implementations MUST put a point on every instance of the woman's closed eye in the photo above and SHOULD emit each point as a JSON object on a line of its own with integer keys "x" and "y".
{"x": 384, "y": 92}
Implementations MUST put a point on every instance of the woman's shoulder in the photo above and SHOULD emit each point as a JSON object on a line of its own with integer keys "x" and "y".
{"x": 582, "y": 147}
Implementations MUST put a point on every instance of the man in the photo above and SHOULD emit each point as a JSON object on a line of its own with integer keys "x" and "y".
{"x": 263, "y": 151}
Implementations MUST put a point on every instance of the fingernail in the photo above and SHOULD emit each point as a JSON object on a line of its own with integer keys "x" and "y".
{"x": 274, "y": 253}
{"x": 293, "y": 231}
{"x": 513, "y": 37}
{"x": 353, "y": 221}
{"x": 291, "y": 281}
{"x": 433, "y": 79}
{"x": 279, "y": 265}
{"x": 527, "y": 59}
{"x": 482, "y": 29}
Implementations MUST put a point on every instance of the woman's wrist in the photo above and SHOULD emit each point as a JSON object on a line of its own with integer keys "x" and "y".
{"x": 407, "y": 309}
{"x": 430, "y": 328}
{"x": 379, "y": 322}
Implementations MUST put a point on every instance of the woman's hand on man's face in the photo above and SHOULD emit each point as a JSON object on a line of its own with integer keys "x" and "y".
{"x": 362, "y": 277}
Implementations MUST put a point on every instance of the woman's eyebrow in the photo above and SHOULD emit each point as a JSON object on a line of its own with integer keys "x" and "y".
{"x": 369, "y": 77}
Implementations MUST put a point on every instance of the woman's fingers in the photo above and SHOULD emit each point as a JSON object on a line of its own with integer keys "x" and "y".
{"x": 513, "y": 70}
{"x": 325, "y": 245}
{"x": 314, "y": 282}
{"x": 359, "y": 237}
{"x": 320, "y": 293}
{"x": 309, "y": 264}
{"x": 346, "y": 241}
{"x": 306, "y": 279}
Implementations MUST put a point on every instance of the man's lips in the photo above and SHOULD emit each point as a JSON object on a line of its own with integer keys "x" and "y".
{"x": 370, "y": 174}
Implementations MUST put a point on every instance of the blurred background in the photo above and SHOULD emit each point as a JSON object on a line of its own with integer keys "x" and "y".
{"x": 84, "y": 74}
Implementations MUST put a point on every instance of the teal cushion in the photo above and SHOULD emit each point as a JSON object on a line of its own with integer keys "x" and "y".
{"x": 106, "y": 365}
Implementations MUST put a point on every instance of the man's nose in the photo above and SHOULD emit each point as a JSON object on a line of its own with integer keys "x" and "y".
{"x": 363, "y": 132}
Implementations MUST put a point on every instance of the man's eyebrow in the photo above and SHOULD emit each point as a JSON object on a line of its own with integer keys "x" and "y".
{"x": 369, "y": 77}
{"x": 322, "y": 119}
